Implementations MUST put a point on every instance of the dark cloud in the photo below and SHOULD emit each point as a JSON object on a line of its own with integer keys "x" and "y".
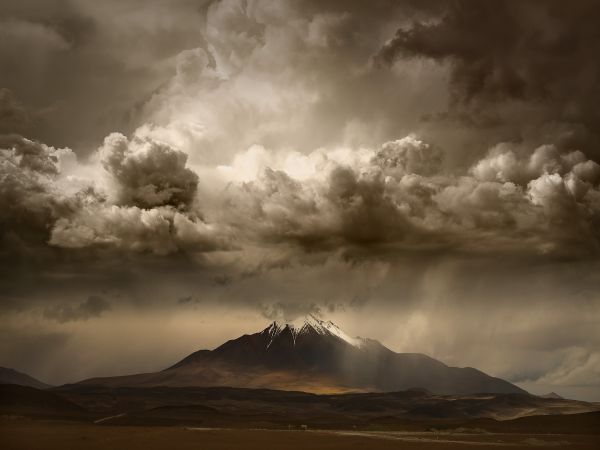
{"x": 14, "y": 118}
{"x": 186, "y": 299}
{"x": 112, "y": 56}
{"x": 91, "y": 308}
{"x": 148, "y": 173}
{"x": 222, "y": 280}
{"x": 514, "y": 61}
{"x": 505, "y": 50}
{"x": 27, "y": 200}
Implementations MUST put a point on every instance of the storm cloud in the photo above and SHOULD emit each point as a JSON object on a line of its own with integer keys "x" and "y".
{"x": 532, "y": 61}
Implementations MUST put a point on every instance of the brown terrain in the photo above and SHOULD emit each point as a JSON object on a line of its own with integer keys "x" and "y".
{"x": 73, "y": 417}
{"x": 41, "y": 435}
{"x": 11, "y": 376}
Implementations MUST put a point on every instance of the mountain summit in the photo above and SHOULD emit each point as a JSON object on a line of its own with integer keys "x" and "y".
{"x": 313, "y": 355}
{"x": 307, "y": 325}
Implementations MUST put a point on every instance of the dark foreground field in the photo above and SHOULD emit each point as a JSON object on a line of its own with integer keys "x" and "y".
{"x": 76, "y": 417}
{"x": 19, "y": 434}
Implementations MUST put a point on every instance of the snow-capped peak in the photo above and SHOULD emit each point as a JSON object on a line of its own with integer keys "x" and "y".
{"x": 307, "y": 323}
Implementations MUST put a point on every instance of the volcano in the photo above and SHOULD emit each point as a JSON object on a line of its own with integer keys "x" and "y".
{"x": 314, "y": 355}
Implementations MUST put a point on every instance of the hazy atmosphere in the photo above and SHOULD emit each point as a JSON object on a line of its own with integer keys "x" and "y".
{"x": 424, "y": 173}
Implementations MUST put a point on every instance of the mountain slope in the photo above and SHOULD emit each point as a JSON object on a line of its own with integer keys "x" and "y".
{"x": 553, "y": 395}
{"x": 223, "y": 406}
{"x": 314, "y": 356}
{"x": 32, "y": 402}
{"x": 11, "y": 376}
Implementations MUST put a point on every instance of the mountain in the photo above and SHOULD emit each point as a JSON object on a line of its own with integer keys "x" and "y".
{"x": 36, "y": 403}
{"x": 11, "y": 376}
{"x": 553, "y": 395}
{"x": 313, "y": 355}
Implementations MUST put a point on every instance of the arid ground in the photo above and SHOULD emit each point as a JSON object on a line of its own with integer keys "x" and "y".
{"x": 86, "y": 417}
{"x": 19, "y": 434}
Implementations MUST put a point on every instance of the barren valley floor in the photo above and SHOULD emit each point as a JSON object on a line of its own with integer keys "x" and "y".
{"x": 20, "y": 434}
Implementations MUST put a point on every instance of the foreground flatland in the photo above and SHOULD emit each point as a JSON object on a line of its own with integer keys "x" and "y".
{"x": 19, "y": 434}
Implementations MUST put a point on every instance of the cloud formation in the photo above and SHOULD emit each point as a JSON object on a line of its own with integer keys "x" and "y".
{"x": 148, "y": 173}
{"x": 511, "y": 63}
{"x": 14, "y": 118}
{"x": 93, "y": 306}
{"x": 29, "y": 200}
{"x": 420, "y": 169}
{"x": 400, "y": 197}
{"x": 161, "y": 230}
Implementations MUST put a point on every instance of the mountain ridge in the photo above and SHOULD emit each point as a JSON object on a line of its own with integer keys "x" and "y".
{"x": 12, "y": 376}
{"x": 314, "y": 355}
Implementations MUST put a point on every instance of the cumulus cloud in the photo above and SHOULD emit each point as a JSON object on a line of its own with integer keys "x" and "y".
{"x": 400, "y": 197}
{"x": 148, "y": 173}
{"x": 338, "y": 206}
{"x": 160, "y": 230}
{"x": 396, "y": 197}
{"x": 508, "y": 162}
{"x": 47, "y": 198}
{"x": 143, "y": 207}
{"x": 409, "y": 156}
{"x": 28, "y": 199}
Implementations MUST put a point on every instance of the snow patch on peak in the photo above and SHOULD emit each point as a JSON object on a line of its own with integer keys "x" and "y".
{"x": 306, "y": 324}
{"x": 273, "y": 330}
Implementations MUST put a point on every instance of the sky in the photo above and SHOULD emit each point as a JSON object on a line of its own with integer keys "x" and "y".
{"x": 425, "y": 173}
